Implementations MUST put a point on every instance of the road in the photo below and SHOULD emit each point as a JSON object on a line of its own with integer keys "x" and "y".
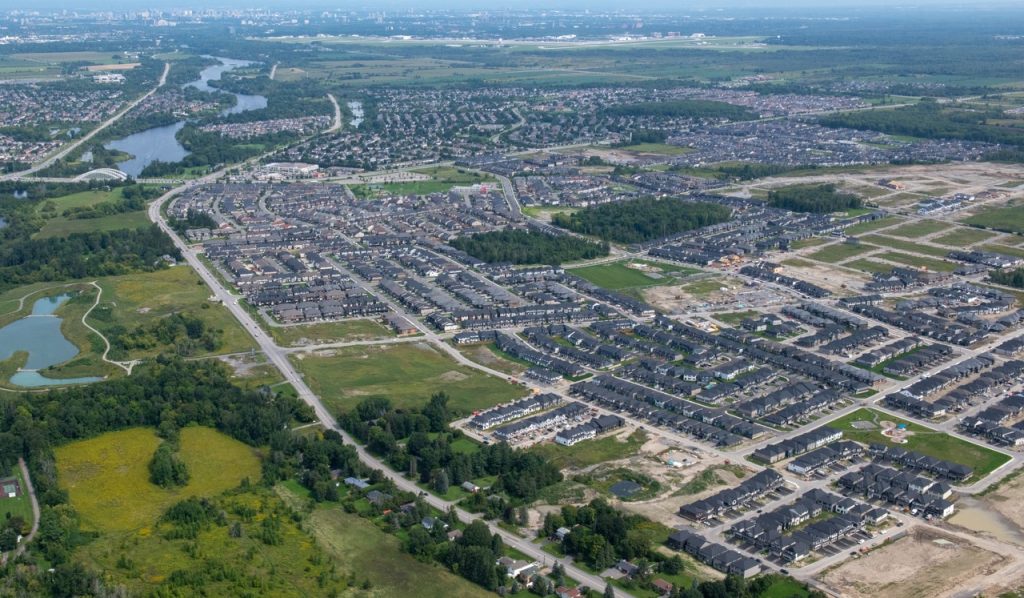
{"x": 279, "y": 358}
{"x": 75, "y": 144}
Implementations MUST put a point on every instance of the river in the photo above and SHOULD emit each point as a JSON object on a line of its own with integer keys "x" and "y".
{"x": 159, "y": 143}
{"x": 39, "y": 335}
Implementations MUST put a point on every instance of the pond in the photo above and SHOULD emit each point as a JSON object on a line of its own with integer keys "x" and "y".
{"x": 148, "y": 146}
{"x": 39, "y": 335}
{"x": 160, "y": 143}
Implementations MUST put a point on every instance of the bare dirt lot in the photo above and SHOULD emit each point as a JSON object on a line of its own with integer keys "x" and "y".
{"x": 926, "y": 563}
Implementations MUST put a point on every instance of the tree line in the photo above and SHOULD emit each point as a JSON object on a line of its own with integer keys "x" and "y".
{"x": 427, "y": 454}
{"x": 642, "y": 219}
{"x": 528, "y": 247}
{"x": 816, "y": 199}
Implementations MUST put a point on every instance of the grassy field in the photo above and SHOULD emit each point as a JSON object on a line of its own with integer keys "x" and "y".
{"x": 442, "y": 178}
{"x": 62, "y": 227}
{"x": 923, "y": 440}
{"x": 657, "y": 148}
{"x": 867, "y": 227}
{"x": 140, "y": 299}
{"x": 107, "y": 478}
{"x": 1004, "y": 249}
{"x": 809, "y": 242}
{"x": 902, "y": 245}
{"x": 917, "y": 229}
{"x": 868, "y": 266}
{"x": 82, "y": 199}
{"x": 963, "y": 236}
{"x": 618, "y": 276}
{"x": 358, "y": 546}
{"x": 916, "y": 261}
{"x": 839, "y": 252}
{"x": 328, "y": 332}
{"x": 149, "y": 562}
{"x": 21, "y": 505}
{"x": 407, "y": 374}
{"x": 1009, "y": 219}
{"x": 488, "y": 354}
{"x": 702, "y": 288}
{"x": 591, "y": 452}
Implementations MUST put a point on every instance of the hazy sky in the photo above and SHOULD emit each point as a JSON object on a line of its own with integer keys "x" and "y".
{"x": 681, "y": 6}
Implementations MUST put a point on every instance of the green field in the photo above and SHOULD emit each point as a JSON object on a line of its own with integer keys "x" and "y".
{"x": 839, "y": 252}
{"x": 866, "y": 227}
{"x": 703, "y": 288}
{"x": 442, "y": 178}
{"x": 902, "y": 245}
{"x": 809, "y": 242}
{"x": 617, "y": 275}
{"x": 328, "y": 332}
{"x": 407, "y": 374}
{"x": 963, "y": 236}
{"x": 357, "y": 545}
{"x": 591, "y": 452}
{"x": 1008, "y": 219}
{"x": 141, "y": 299}
{"x": 82, "y": 199}
{"x": 62, "y": 226}
{"x": 917, "y": 229}
{"x": 916, "y": 261}
{"x": 151, "y": 561}
{"x": 923, "y": 440}
{"x": 869, "y": 266}
{"x": 107, "y": 478}
{"x": 1004, "y": 249}
{"x": 657, "y": 148}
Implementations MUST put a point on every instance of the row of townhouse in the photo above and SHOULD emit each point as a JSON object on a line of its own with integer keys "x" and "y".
{"x": 720, "y": 557}
{"x": 875, "y": 482}
{"x": 749, "y": 490}
{"x": 798, "y": 445}
{"x": 510, "y": 411}
{"x": 517, "y": 429}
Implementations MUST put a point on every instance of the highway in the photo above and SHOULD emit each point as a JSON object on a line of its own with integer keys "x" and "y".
{"x": 279, "y": 358}
{"x": 75, "y": 144}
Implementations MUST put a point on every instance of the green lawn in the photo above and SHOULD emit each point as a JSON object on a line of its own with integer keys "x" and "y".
{"x": 107, "y": 477}
{"x": 702, "y": 288}
{"x": 799, "y": 263}
{"x": 591, "y": 452}
{"x": 916, "y": 261}
{"x": 407, "y": 374}
{"x": 618, "y": 275}
{"x": 840, "y": 251}
{"x": 963, "y": 236}
{"x": 866, "y": 227}
{"x": 902, "y": 245}
{"x": 924, "y": 440}
{"x": 328, "y": 332}
{"x": 21, "y": 505}
{"x": 917, "y": 229}
{"x": 1009, "y": 219}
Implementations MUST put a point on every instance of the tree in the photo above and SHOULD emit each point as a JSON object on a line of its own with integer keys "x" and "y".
{"x": 420, "y": 544}
{"x": 609, "y": 591}
{"x": 165, "y": 469}
{"x": 441, "y": 482}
